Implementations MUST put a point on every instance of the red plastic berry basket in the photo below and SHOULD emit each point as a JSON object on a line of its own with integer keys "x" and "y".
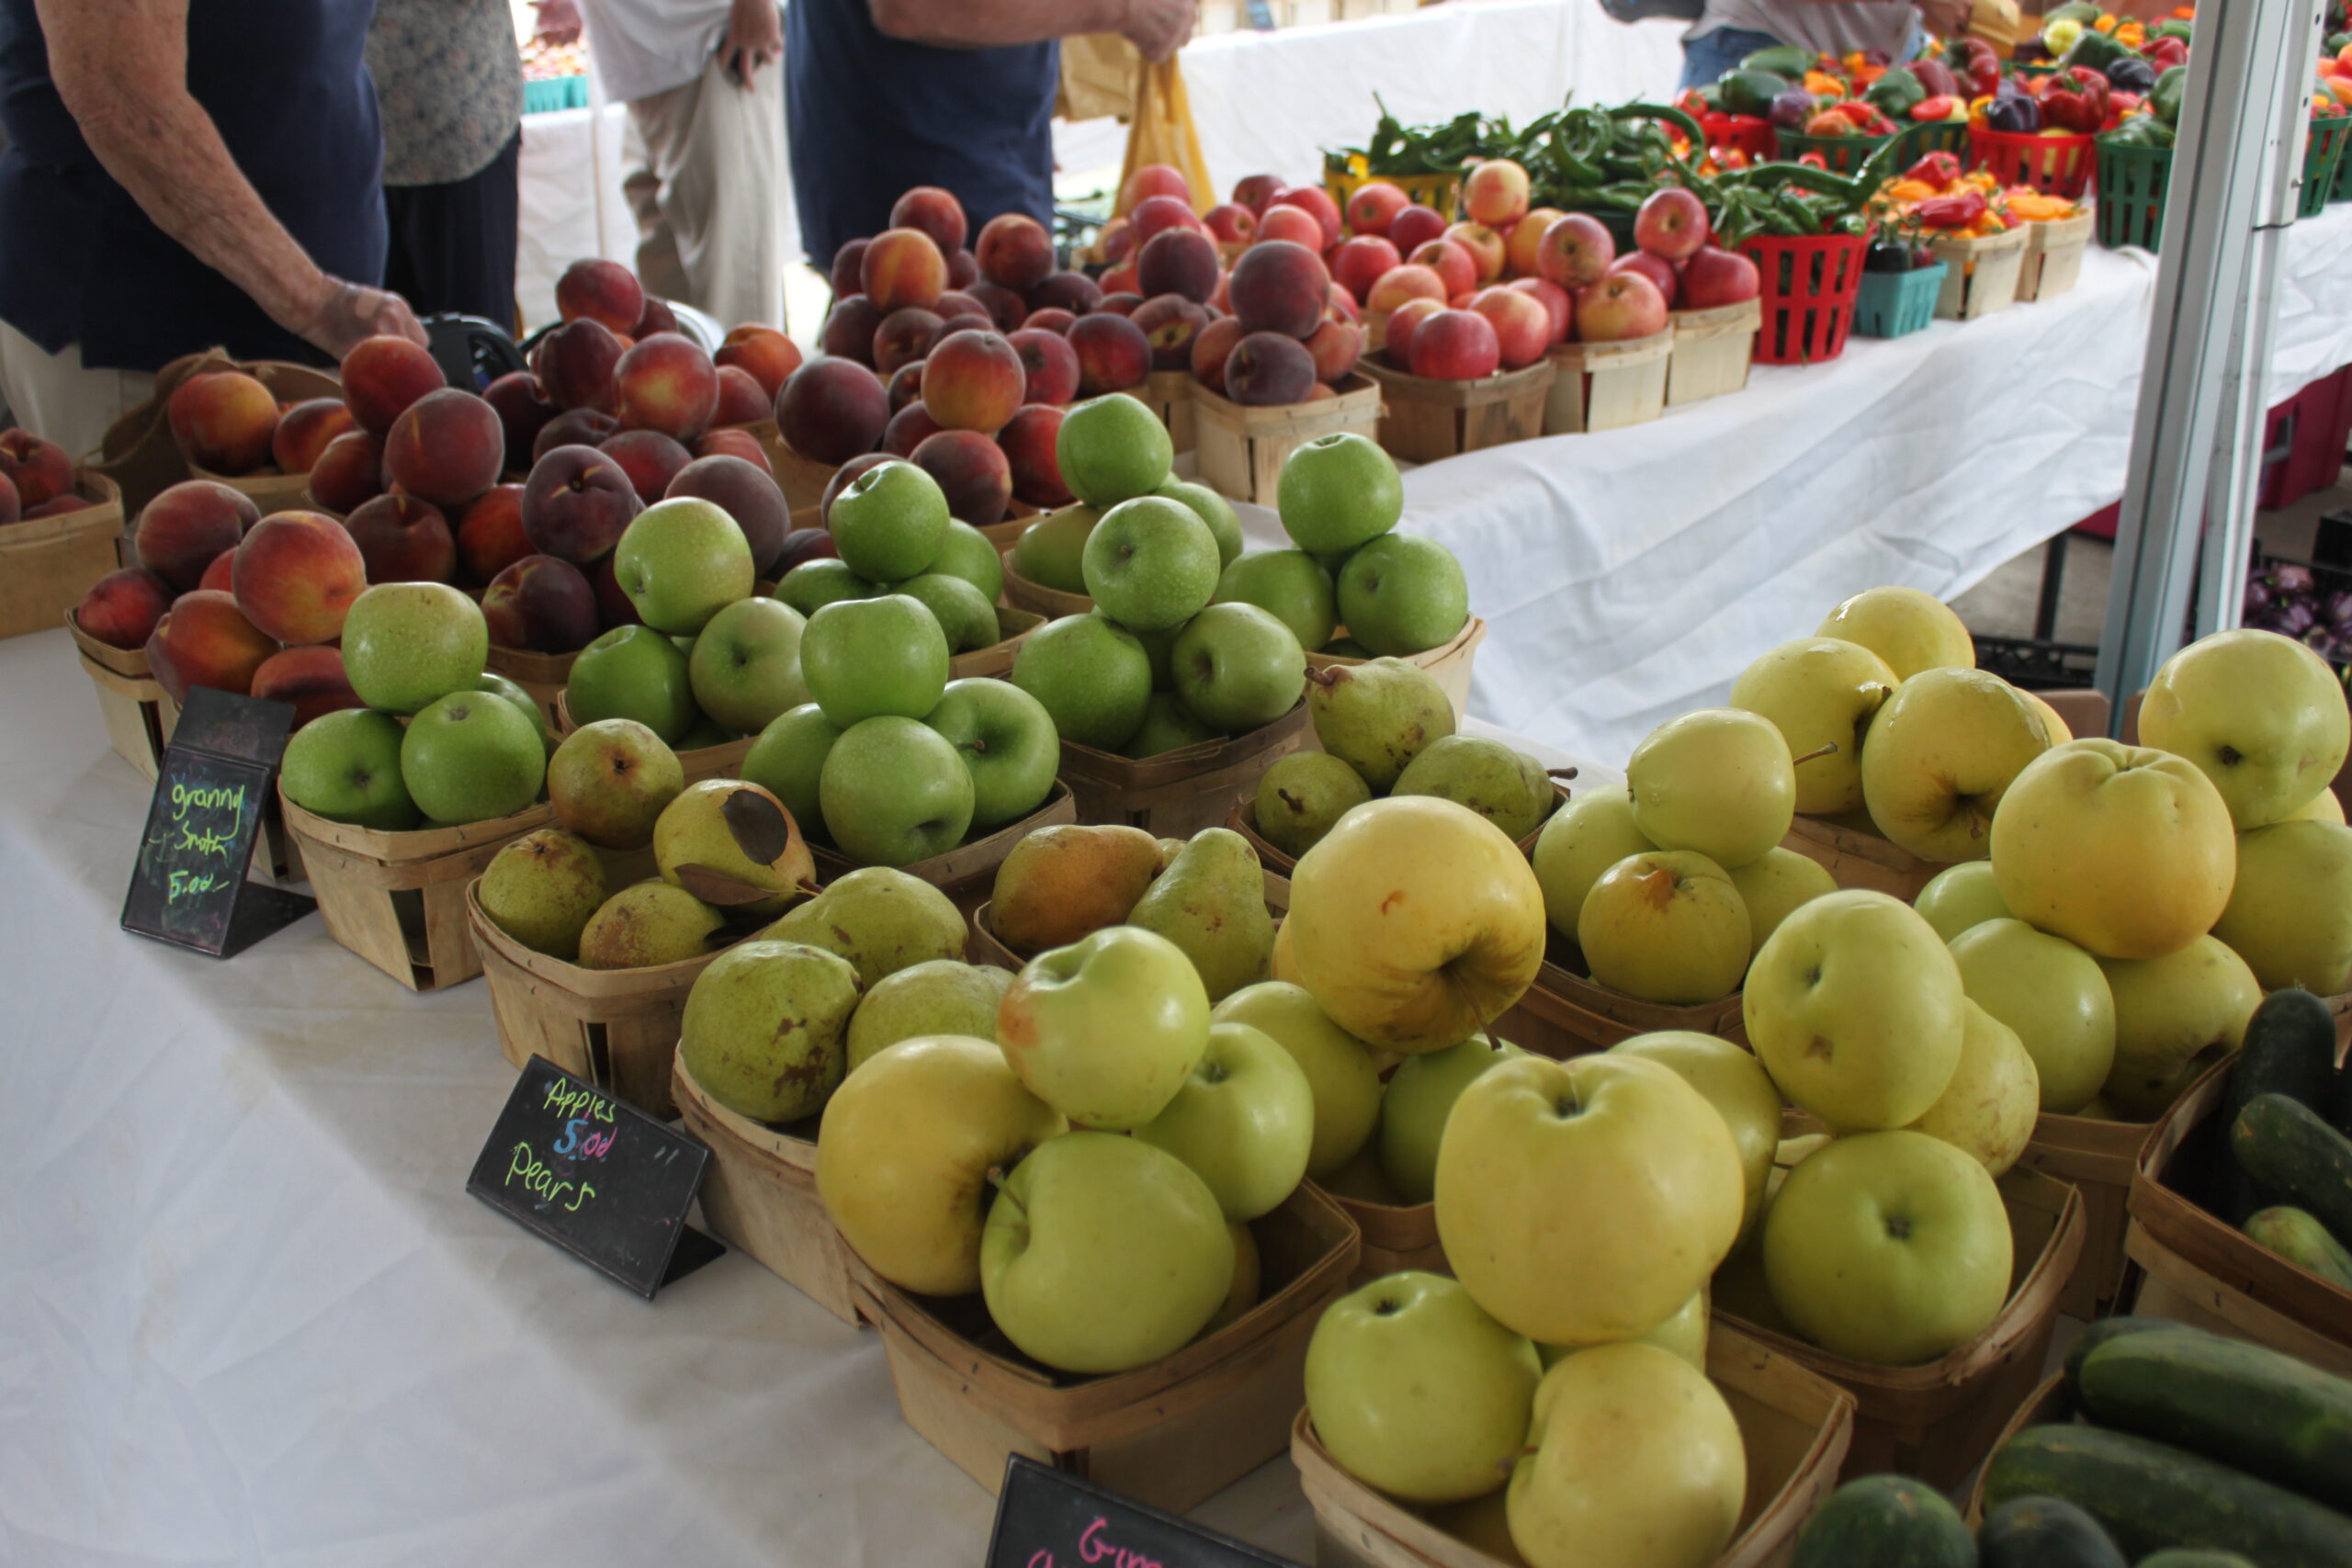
{"x": 1809, "y": 288}
{"x": 2055, "y": 165}
{"x": 1751, "y": 134}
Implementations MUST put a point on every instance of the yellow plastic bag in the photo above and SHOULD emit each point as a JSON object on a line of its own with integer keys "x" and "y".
{"x": 1163, "y": 132}
{"x": 1098, "y": 71}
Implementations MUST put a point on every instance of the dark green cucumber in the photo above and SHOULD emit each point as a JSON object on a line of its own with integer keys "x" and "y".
{"x": 2151, "y": 1496}
{"x": 2302, "y": 1241}
{"x": 2339, "y": 1110}
{"x": 2252, "y": 1408}
{"x": 2044, "y": 1532}
{"x": 1886, "y": 1521}
{"x": 2284, "y": 1146}
{"x": 2098, "y": 1332}
{"x": 2289, "y": 1049}
{"x": 2190, "y": 1557}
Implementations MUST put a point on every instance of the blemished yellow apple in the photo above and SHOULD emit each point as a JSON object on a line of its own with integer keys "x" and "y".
{"x": 1909, "y": 629}
{"x": 2054, "y": 995}
{"x": 1889, "y": 1248}
{"x": 1244, "y": 1122}
{"x": 2289, "y": 916}
{"x": 1718, "y": 782}
{"x": 2060, "y": 731}
{"x": 2324, "y": 806}
{"x": 1658, "y": 1185}
{"x": 2125, "y": 851}
{"x": 1667, "y": 927}
{"x": 1339, "y": 1067}
{"x": 2261, "y": 714}
{"x": 1960, "y": 896}
{"x": 1736, "y": 1084}
{"x": 904, "y": 1152}
{"x": 1585, "y": 838}
{"x": 1773, "y": 886}
{"x": 1987, "y": 1111}
{"x": 1854, "y": 1007}
{"x": 1413, "y": 922}
{"x": 1635, "y": 1463}
{"x": 1107, "y": 1029}
{"x": 1684, "y": 1333}
{"x": 1819, "y": 692}
{"x": 1939, "y": 756}
{"x": 2169, "y": 1012}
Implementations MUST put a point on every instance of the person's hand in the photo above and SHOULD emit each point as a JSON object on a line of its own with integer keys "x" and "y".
{"x": 1946, "y": 18}
{"x": 347, "y": 312}
{"x": 1159, "y": 28}
{"x": 559, "y": 21}
{"x": 754, "y": 39}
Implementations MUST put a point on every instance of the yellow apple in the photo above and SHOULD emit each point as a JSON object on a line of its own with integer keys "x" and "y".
{"x": 2289, "y": 916}
{"x": 1773, "y": 886}
{"x": 2059, "y": 733}
{"x": 1684, "y": 1333}
{"x": 1718, "y": 782}
{"x": 1987, "y": 1111}
{"x": 1585, "y": 838}
{"x": 1667, "y": 927}
{"x": 1911, "y": 630}
{"x": 1581, "y": 1201}
{"x": 1960, "y": 896}
{"x": 1854, "y": 1007}
{"x": 1339, "y": 1067}
{"x": 1819, "y": 692}
{"x": 1736, "y": 1084}
{"x": 2169, "y": 1011}
{"x": 1414, "y": 922}
{"x": 1635, "y": 1463}
{"x": 2324, "y": 806}
{"x": 1939, "y": 756}
{"x": 2054, "y": 995}
{"x": 2261, "y": 714}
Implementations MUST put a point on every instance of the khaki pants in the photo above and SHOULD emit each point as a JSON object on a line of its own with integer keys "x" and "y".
{"x": 56, "y": 399}
{"x": 706, "y": 181}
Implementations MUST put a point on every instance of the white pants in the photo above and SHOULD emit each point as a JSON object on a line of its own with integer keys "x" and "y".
{"x": 56, "y": 398}
{"x": 706, "y": 181}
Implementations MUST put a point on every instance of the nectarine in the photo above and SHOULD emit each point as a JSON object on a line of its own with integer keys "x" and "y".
{"x": 185, "y": 526}
{"x": 446, "y": 447}
{"x": 223, "y": 422}
{"x": 295, "y": 574}
{"x": 205, "y": 640}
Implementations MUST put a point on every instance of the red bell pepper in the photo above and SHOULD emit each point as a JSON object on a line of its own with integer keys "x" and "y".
{"x": 1857, "y": 110}
{"x": 1979, "y": 67}
{"x": 2166, "y": 52}
{"x": 1951, "y": 211}
{"x": 2077, "y": 101}
{"x": 1936, "y": 169}
{"x": 2121, "y": 104}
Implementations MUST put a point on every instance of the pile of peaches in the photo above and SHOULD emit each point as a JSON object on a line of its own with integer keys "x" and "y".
{"x": 36, "y": 479}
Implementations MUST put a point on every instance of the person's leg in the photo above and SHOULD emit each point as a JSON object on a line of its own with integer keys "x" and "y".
{"x": 453, "y": 245}
{"x": 56, "y": 399}
{"x": 722, "y": 199}
{"x": 401, "y": 223}
{"x": 1708, "y": 56}
{"x": 657, "y": 132}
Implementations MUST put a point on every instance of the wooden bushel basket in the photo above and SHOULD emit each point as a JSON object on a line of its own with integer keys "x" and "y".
{"x": 543, "y": 675}
{"x": 1168, "y": 395}
{"x": 48, "y": 563}
{"x": 1607, "y": 385}
{"x": 1859, "y": 858}
{"x": 1983, "y": 276}
{"x": 2048, "y": 1405}
{"x": 1170, "y": 1434}
{"x": 399, "y": 899}
{"x": 131, "y": 700}
{"x": 969, "y": 864}
{"x": 1014, "y": 627}
{"x": 1447, "y": 663}
{"x": 1576, "y": 1014}
{"x": 724, "y": 760}
{"x": 1795, "y": 1427}
{"x": 1241, "y": 449}
{"x": 267, "y": 489}
{"x": 1178, "y": 793}
{"x": 802, "y": 479}
{"x": 1036, "y": 599}
{"x": 2053, "y": 254}
{"x": 1423, "y": 420}
{"x": 1713, "y": 351}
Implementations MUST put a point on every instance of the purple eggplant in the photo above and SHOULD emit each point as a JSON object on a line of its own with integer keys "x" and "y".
{"x": 2294, "y": 618}
{"x": 2324, "y": 641}
{"x": 2338, "y": 607}
{"x": 2258, "y": 598}
{"x": 2289, "y": 578}
{"x": 1791, "y": 110}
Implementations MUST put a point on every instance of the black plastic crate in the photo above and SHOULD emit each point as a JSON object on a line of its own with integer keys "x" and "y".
{"x": 2037, "y": 665}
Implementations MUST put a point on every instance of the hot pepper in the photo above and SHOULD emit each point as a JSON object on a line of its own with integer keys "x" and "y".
{"x": 1936, "y": 169}
{"x": 1952, "y": 211}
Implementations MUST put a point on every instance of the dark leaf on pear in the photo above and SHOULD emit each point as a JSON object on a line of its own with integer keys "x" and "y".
{"x": 716, "y": 887}
{"x": 762, "y": 830}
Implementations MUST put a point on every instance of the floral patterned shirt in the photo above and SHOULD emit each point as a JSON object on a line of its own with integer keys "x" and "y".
{"x": 449, "y": 83}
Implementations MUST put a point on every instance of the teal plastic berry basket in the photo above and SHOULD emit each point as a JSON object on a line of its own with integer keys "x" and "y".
{"x": 1895, "y": 304}
{"x": 554, "y": 93}
{"x": 2323, "y": 163}
{"x": 2131, "y": 206}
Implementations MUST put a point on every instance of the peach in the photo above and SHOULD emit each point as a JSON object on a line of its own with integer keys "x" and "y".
{"x": 1316, "y": 203}
{"x": 490, "y": 534}
{"x": 1414, "y": 227}
{"x": 1159, "y": 214}
{"x": 1028, "y": 442}
{"x": 844, "y": 477}
{"x": 956, "y": 306}
{"x": 55, "y": 506}
{"x": 1339, "y": 305}
{"x": 908, "y": 429}
{"x": 1113, "y": 355}
{"x": 761, "y": 353}
{"x": 1071, "y": 291}
{"x": 1557, "y": 303}
{"x": 11, "y": 509}
{"x": 1361, "y": 263}
{"x": 1414, "y": 280}
{"x": 849, "y": 328}
{"x": 1257, "y": 192}
{"x": 806, "y": 544}
{"x": 1494, "y": 195}
{"x": 295, "y": 574}
{"x": 1655, "y": 268}
{"x": 1006, "y": 308}
{"x": 40, "y": 471}
{"x": 667, "y": 383}
{"x": 1456, "y": 345}
{"x": 1210, "y": 350}
{"x": 905, "y": 385}
{"x": 1524, "y": 241}
{"x": 903, "y": 267}
{"x": 848, "y": 272}
{"x": 1120, "y": 304}
{"x": 1048, "y": 366}
{"x": 1121, "y": 280}
{"x": 219, "y": 577}
{"x": 1295, "y": 224}
{"x": 1178, "y": 261}
{"x": 832, "y": 410}
{"x": 404, "y": 539}
{"x": 1522, "y": 326}
{"x": 744, "y": 491}
{"x": 446, "y": 447}
{"x": 349, "y": 471}
{"x": 1170, "y": 323}
{"x": 204, "y": 640}
{"x": 601, "y": 291}
{"x": 540, "y": 605}
{"x": 576, "y": 502}
{"x": 1335, "y": 348}
{"x": 1052, "y": 319}
{"x": 972, "y": 380}
{"x": 1117, "y": 242}
{"x": 1280, "y": 287}
{"x": 523, "y": 412}
{"x": 303, "y": 432}
{"x": 1576, "y": 250}
{"x": 742, "y": 399}
{"x": 650, "y": 459}
{"x": 1269, "y": 370}
{"x": 122, "y": 608}
{"x": 575, "y": 365}
{"x": 223, "y": 422}
{"x": 310, "y": 680}
{"x": 657, "y": 317}
{"x": 1014, "y": 251}
{"x": 574, "y": 427}
{"x": 963, "y": 270}
{"x": 381, "y": 375}
{"x": 1456, "y": 269}
{"x": 934, "y": 211}
{"x": 973, "y": 471}
{"x": 904, "y": 337}
{"x": 1154, "y": 180}
{"x": 725, "y": 443}
{"x": 1374, "y": 206}
{"x": 614, "y": 606}
{"x": 185, "y": 526}
{"x": 1231, "y": 224}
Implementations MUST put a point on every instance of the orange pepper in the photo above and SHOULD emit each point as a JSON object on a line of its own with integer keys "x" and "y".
{"x": 2104, "y": 25}
{"x": 1823, "y": 85}
{"x": 1911, "y": 190}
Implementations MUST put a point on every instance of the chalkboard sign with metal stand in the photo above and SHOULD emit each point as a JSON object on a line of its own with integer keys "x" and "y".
{"x": 1051, "y": 1518}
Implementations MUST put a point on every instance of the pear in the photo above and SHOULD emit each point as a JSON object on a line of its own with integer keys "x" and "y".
{"x": 733, "y": 844}
{"x": 762, "y": 1030}
{"x": 1378, "y": 715}
{"x": 879, "y": 917}
{"x": 937, "y": 996}
{"x": 1212, "y": 903}
{"x": 1302, "y": 795}
{"x": 1060, "y": 883}
{"x": 609, "y": 781}
{"x": 650, "y": 923}
{"x": 1506, "y": 788}
{"x": 541, "y": 890}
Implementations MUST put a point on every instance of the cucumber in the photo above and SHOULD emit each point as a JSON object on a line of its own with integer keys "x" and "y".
{"x": 2288, "y": 1149}
{"x": 2289, "y": 1049}
{"x": 1752, "y": 92}
{"x": 2099, "y": 1332}
{"x": 1886, "y": 1521}
{"x": 2150, "y": 1496}
{"x": 2044, "y": 1532}
{"x": 2339, "y": 1106}
{"x": 2255, "y": 1409}
{"x": 2190, "y": 1557}
{"x": 2304, "y": 1242}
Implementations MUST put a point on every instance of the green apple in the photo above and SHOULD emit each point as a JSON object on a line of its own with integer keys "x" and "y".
{"x": 1237, "y": 668}
{"x": 1168, "y": 725}
{"x": 2171, "y": 1014}
{"x": 745, "y": 667}
{"x": 1579, "y": 844}
{"x": 633, "y": 673}
{"x": 404, "y": 644}
{"x": 541, "y": 889}
{"x": 1820, "y": 694}
{"x": 1340, "y": 1073}
{"x": 1093, "y": 677}
{"x": 1151, "y": 563}
{"x": 2052, "y": 995}
{"x": 1111, "y": 450}
{"x": 1403, "y": 593}
{"x": 1736, "y": 1084}
{"x": 1159, "y": 646}
{"x": 732, "y": 844}
{"x": 2262, "y": 715}
{"x": 345, "y": 766}
{"x": 965, "y": 552}
{"x": 1244, "y": 1122}
{"x": 2289, "y": 914}
{"x": 1008, "y": 743}
{"x": 498, "y": 685}
{"x": 965, "y": 616}
{"x": 706, "y": 733}
{"x": 1889, "y": 1248}
{"x": 608, "y": 781}
{"x": 1212, "y": 510}
{"x": 873, "y": 657}
{"x": 1658, "y": 1186}
{"x": 1962, "y": 896}
{"x": 1303, "y": 797}
{"x": 787, "y": 760}
{"x": 1989, "y": 1110}
{"x": 1940, "y": 756}
{"x": 1718, "y": 781}
{"x": 1854, "y": 1007}
{"x": 1417, "y": 1392}
{"x": 1774, "y": 886}
{"x": 1420, "y": 1097}
{"x": 1339, "y": 491}
{"x": 762, "y": 1029}
{"x": 1288, "y": 585}
{"x": 889, "y": 522}
{"x": 940, "y": 996}
{"x": 680, "y": 561}
{"x": 1910, "y": 630}
{"x": 1666, "y": 926}
{"x": 472, "y": 757}
{"x": 813, "y": 584}
{"x": 1107, "y": 1029}
{"x": 1051, "y": 552}
{"x": 894, "y": 791}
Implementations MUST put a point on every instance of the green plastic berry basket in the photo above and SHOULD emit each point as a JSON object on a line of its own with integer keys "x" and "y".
{"x": 1842, "y": 154}
{"x": 2323, "y": 163}
{"x": 1936, "y": 136}
{"x": 2131, "y": 185}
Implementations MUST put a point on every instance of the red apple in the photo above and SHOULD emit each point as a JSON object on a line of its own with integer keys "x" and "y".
{"x": 1672, "y": 223}
{"x": 1456, "y": 345}
{"x": 1713, "y": 279}
{"x": 1620, "y": 306}
{"x": 1456, "y": 269}
{"x": 1231, "y": 223}
{"x": 1374, "y": 206}
{"x": 1496, "y": 193}
{"x": 1398, "y": 341}
{"x": 1642, "y": 263}
{"x": 1257, "y": 192}
{"x": 1575, "y": 250}
{"x": 1522, "y": 326}
{"x": 1158, "y": 214}
{"x": 1525, "y": 240}
{"x": 1400, "y": 284}
{"x": 1316, "y": 203}
{"x": 1154, "y": 180}
{"x": 1414, "y": 227}
{"x": 1484, "y": 245}
{"x": 1361, "y": 261}
{"x": 1291, "y": 222}
{"x": 1557, "y": 303}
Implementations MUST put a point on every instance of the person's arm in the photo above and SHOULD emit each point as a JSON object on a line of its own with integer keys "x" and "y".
{"x": 754, "y": 39}
{"x": 1156, "y": 27}
{"x": 120, "y": 66}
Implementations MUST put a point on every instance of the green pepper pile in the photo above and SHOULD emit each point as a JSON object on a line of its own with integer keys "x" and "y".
{"x": 1591, "y": 159}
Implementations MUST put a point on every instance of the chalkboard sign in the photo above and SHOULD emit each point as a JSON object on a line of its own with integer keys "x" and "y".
{"x": 190, "y": 884}
{"x": 1050, "y": 1519}
{"x": 597, "y": 1177}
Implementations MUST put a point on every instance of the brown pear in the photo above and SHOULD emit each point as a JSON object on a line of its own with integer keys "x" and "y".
{"x": 1060, "y": 883}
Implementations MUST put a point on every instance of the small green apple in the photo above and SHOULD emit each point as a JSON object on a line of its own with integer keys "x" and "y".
{"x": 2170, "y": 1013}
{"x": 788, "y": 760}
{"x": 1339, "y": 1070}
{"x": 1151, "y": 563}
{"x": 472, "y": 757}
{"x": 1107, "y": 1029}
{"x": 680, "y": 561}
{"x": 1214, "y": 510}
{"x": 1717, "y": 781}
{"x": 889, "y": 522}
{"x": 873, "y": 657}
{"x": 345, "y": 766}
{"x": 1403, "y": 593}
{"x": 966, "y": 618}
{"x": 1736, "y": 1084}
{"x": 1288, "y": 585}
{"x": 2052, "y": 995}
{"x": 1168, "y": 725}
{"x": 762, "y": 1029}
{"x": 965, "y": 552}
{"x": 1421, "y": 1096}
{"x": 541, "y": 889}
{"x": 1819, "y": 693}
{"x": 940, "y": 996}
{"x": 745, "y": 667}
{"x": 498, "y": 685}
{"x": 633, "y": 673}
{"x": 1339, "y": 491}
{"x": 813, "y": 584}
{"x": 2261, "y": 714}
{"x": 1960, "y": 897}
{"x": 405, "y": 644}
{"x": 1111, "y": 450}
{"x": 1244, "y": 1120}
{"x": 1051, "y": 552}
{"x": 1684, "y": 1334}
{"x": 1237, "y": 668}
{"x": 1774, "y": 886}
{"x": 1008, "y": 743}
{"x": 894, "y": 792}
{"x": 1666, "y": 926}
{"x": 1592, "y": 832}
{"x": 1091, "y": 675}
